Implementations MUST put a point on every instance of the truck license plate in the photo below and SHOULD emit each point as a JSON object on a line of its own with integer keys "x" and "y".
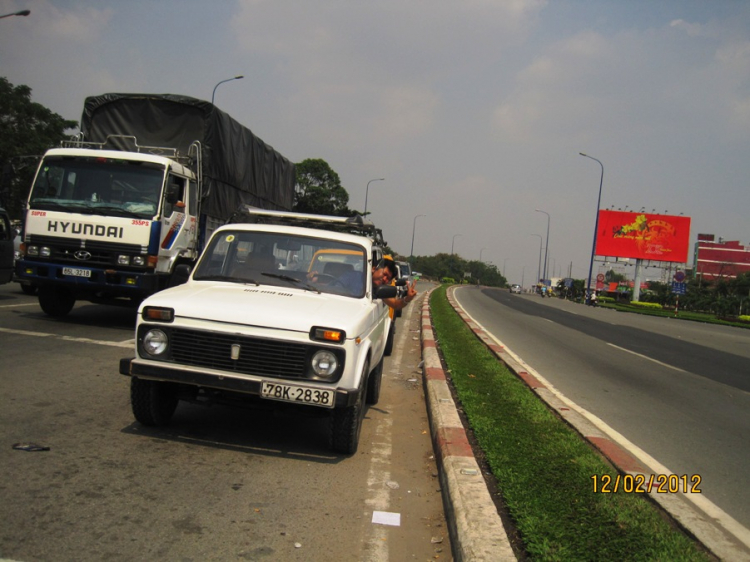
{"x": 76, "y": 272}
{"x": 298, "y": 394}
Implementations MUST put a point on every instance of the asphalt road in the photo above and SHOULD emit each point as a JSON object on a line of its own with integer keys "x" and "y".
{"x": 678, "y": 390}
{"x": 218, "y": 483}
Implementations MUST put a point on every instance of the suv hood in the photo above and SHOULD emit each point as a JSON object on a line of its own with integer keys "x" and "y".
{"x": 264, "y": 306}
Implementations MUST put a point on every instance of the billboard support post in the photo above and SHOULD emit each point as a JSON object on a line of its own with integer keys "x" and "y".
{"x": 637, "y": 280}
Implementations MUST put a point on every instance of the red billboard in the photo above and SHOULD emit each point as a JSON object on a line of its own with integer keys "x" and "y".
{"x": 623, "y": 234}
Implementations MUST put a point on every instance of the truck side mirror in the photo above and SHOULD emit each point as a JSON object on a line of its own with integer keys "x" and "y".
{"x": 173, "y": 194}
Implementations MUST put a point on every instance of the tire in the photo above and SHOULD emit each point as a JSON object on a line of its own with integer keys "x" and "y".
{"x": 346, "y": 423}
{"x": 56, "y": 301}
{"x": 373, "y": 384}
{"x": 28, "y": 289}
{"x": 153, "y": 402}
{"x": 389, "y": 342}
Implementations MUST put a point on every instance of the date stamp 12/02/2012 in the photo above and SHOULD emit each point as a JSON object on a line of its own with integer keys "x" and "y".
{"x": 644, "y": 484}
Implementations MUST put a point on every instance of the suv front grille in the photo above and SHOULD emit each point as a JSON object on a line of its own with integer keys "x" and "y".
{"x": 259, "y": 357}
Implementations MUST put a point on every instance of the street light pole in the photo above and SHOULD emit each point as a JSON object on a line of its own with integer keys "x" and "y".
{"x": 480, "y": 253}
{"x": 539, "y": 265}
{"x": 453, "y": 242}
{"x": 367, "y": 191}
{"x": 546, "y": 247}
{"x": 21, "y": 13}
{"x": 506, "y": 259}
{"x": 596, "y": 227}
{"x": 413, "y": 230}
{"x": 213, "y": 95}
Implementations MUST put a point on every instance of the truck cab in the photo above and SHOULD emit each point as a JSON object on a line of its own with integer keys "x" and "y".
{"x": 254, "y": 324}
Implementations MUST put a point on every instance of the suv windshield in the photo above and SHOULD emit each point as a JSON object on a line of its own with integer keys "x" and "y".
{"x": 270, "y": 258}
{"x": 98, "y": 186}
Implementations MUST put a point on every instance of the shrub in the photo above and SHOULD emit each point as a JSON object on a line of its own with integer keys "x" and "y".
{"x": 447, "y": 280}
{"x": 651, "y": 305}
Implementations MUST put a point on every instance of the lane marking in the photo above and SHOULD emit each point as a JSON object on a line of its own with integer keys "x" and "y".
{"x": 648, "y": 358}
{"x": 17, "y": 305}
{"x": 126, "y": 343}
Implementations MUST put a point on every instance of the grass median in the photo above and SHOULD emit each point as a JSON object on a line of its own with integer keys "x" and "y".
{"x": 544, "y": 470}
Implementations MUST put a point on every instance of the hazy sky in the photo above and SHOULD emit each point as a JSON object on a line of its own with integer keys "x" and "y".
{"x": 474, "y": 111}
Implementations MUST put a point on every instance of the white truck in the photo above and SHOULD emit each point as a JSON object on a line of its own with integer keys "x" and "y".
{"x": 112, "y": 214}
{"x": 280, "y": 310}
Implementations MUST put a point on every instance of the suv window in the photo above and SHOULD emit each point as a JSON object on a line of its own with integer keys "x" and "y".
{"x": 284, "y": 260}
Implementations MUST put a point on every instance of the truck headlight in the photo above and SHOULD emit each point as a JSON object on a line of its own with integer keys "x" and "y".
{"x": 123, "y": 260}
{"x": 139, "y": 260}
{"x": 324, "y": 363}
{"x": 155, "y": 342}
{"x": 45, "y": 252}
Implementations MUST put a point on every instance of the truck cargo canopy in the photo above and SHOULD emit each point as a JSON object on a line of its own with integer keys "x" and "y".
{"x": 238, "y": 167}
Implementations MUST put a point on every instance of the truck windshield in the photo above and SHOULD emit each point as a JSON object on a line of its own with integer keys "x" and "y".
{"x": 102, "y": 186}
{"x": 307, "y": 262}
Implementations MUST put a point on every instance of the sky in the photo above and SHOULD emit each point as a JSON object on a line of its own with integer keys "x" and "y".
{"x": 473, "y": 111}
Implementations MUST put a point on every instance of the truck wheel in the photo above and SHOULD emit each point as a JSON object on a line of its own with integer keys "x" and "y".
{"x": 56, "y": 301}
{"x": 28, "y": 289}
{"x": 346, "y": 423}
{"x": 389, "y": 342}
{"x": 153, "y": 402}
{"x": 373, "y": 384}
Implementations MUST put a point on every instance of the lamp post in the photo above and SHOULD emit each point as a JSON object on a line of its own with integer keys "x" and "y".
{"x": 480, "y": 253}
{"x": 367, "y": 190}
{"x": 596, "y": 227}
{"x": 21, "y": 13}
{"x": 506, "y": 259}
{"x": 453, "y": 242}
{"x": 546, "y": 246}
{"x": 539, "y": 265}
{"x": 213, "y": 95}
{"x": 413, "y": 230}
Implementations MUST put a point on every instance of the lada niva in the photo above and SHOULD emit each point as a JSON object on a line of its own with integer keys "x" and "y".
{"x": 250, "y": 322}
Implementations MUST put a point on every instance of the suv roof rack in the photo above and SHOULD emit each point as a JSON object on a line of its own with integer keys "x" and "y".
{"x": 355, "y": 224}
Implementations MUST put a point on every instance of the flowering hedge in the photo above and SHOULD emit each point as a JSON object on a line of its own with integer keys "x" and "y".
{"x": 652, "y": 305}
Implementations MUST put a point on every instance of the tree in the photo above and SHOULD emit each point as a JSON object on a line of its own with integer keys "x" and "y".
{"x": 318, "y": 189}
{"x": 27, "y": 130}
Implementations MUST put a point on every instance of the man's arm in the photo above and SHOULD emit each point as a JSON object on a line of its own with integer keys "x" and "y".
{"x": 398, "y": 304}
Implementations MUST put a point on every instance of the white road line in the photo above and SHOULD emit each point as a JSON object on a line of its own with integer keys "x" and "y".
{"x": 126, "y": 343}
{"x": 648, "y": 358}
{"x": 17, "y": 305}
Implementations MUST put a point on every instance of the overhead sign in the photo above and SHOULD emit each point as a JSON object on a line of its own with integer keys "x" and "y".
{"x": 643, "y": 236}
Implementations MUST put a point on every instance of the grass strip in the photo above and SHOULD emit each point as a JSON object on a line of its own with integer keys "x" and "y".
{"x": 543, "y": 468}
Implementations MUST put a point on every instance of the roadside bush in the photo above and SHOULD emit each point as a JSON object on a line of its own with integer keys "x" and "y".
{"x": 652, "y": 305}
{"x": 447, "y": 280}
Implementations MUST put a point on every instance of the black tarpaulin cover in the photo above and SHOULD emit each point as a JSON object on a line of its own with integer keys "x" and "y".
{"x": 238, "y": 167}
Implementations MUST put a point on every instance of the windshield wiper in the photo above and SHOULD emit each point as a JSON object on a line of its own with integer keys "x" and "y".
{"x": 227, "y": 278}
{"x": 294, "y": 280}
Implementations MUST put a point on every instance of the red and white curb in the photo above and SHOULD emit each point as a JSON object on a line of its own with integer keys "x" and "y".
{"x": 728, "y": 541}
{"x": 477, "y": 531}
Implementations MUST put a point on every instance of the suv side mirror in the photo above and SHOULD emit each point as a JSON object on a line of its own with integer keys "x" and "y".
{"x": 386, "y": 292}
{"x": 181, "y": 275}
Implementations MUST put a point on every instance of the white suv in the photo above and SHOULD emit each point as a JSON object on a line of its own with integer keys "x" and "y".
{"x": 254, "y": 322}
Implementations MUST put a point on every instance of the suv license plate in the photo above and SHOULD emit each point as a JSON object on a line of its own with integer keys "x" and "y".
{"x": 298, "y": 394}
{"x": 76, "y": 272}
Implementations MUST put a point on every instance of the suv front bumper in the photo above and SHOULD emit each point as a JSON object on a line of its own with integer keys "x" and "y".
{"x": 130, "y": 367}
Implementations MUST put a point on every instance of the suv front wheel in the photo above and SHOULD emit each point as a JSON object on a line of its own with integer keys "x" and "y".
{"x": 346, "y": 423}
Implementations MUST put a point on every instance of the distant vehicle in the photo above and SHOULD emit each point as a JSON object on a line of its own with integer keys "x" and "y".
{"x": 405, "y": 269}
{"x": 515, "y": 288}
{"x": 7, "y": 234}
{"x": 416, "y": 274}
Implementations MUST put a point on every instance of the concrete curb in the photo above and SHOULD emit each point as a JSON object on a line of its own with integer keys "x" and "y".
{"x": 477, "y": 532}
{"x": 450, "y": 442}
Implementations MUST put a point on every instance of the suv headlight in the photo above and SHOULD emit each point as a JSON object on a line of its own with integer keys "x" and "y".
{"x": 155, "y": 342}
{"x": 324, "y": 363}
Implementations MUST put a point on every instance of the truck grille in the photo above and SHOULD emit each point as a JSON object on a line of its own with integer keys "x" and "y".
{"x": 103, "y": 254}
{"x": 260, "y": 357}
